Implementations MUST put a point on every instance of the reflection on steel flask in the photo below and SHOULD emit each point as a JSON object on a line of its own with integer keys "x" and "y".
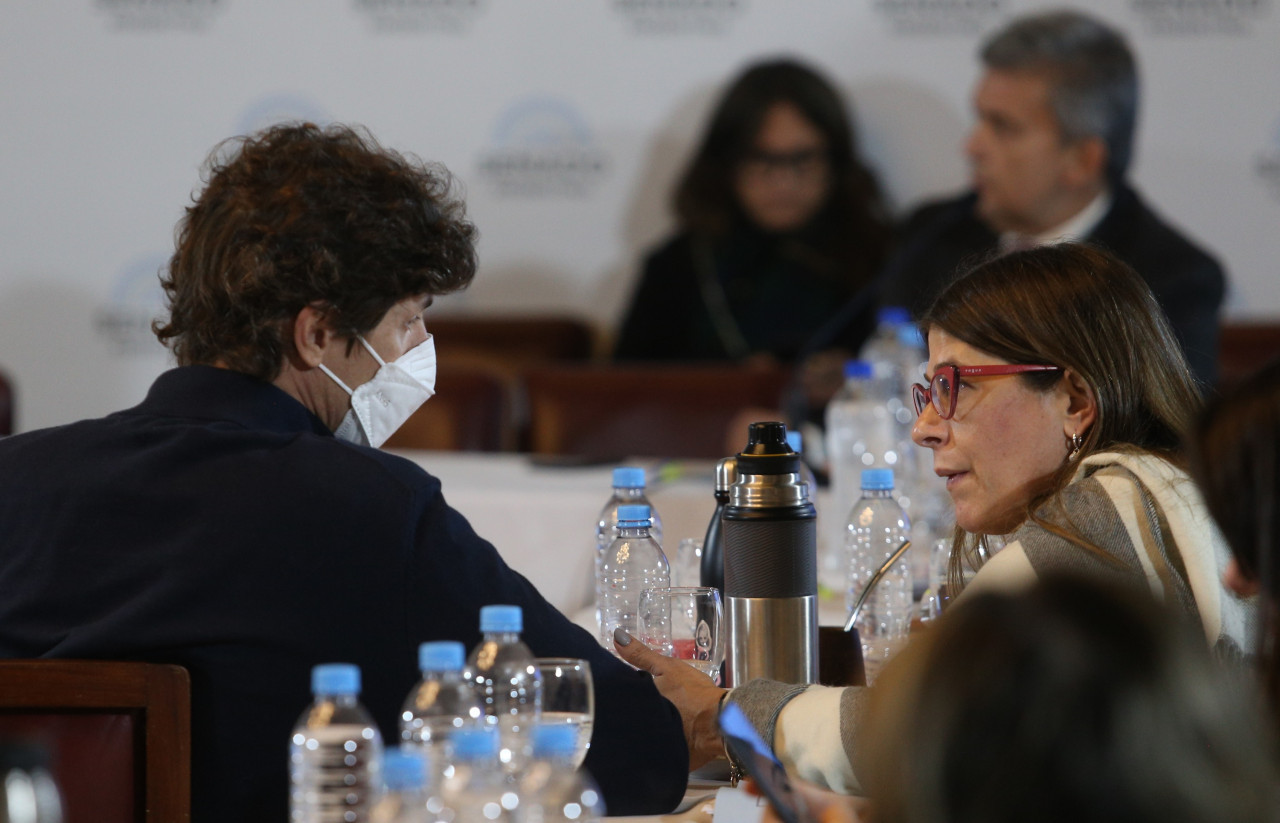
{"x": 770, "y": 564}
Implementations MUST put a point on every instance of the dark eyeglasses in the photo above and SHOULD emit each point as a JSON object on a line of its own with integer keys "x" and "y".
{"x": 801, "y": 163}
{"x": 942, "y": 388}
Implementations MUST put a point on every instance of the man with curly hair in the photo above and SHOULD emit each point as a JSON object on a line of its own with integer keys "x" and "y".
{"x": 241, "y": 521}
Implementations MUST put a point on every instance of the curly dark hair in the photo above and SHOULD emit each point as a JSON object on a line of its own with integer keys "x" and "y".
{"x": 298, "y": 215}
{"x": 852, "y": 227}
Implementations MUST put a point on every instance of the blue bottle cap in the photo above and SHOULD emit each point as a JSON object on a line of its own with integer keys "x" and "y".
{"x": 859, "y": 369}
{"x": 893, "y": 315}
{"x": 554, "y": 741}
{"x": 909, "y": 335}
{"x": 796, "y": 441}
{"x": 501, "y": 619}
{"x": 441, "y": 656}
{"x": 628, "y": 477}
{"x": 877, "y": 479}
{"x": 404, "y": 769}
{"x": 633, "y": 513}
{"x": 335, "y": 678}
{"x": 474, "y": 743}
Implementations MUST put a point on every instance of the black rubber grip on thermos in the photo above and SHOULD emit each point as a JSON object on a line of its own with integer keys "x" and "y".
{"x": 770, "y": 552}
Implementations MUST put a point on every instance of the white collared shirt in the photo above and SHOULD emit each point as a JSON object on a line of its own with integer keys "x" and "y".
{"x": 1077, "y": 228}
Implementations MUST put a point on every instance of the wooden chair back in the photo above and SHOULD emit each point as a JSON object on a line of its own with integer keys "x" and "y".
{"x": 613, "y": 411}
{"x": 118, "y": 733}
{"x": 472, "y": 410}
{"x": 512, "y": 340}
{"x": 1244, "y": 347}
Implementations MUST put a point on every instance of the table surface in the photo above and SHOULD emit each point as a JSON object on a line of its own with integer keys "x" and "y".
{"x": 541, "y": 515}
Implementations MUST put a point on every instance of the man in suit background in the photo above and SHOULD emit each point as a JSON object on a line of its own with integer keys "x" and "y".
{"x": 1056, "y": 110}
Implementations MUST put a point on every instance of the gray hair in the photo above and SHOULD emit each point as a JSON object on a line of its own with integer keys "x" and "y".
{"x": 1091, "y": 71}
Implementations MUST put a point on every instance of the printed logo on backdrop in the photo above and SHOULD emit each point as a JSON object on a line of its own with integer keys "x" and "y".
{"x": 933, "y": 18}
{"x": 162, "y": 15}
{"x": 1267, "y": 164}
{"x": 281, "y": 108}
{"x": 664, "y": 17}
{"x": 124, "y": 320}
{"x": 415, "y": 16}
{"x": 1197, "y": 18}
{"x": 542, "y": 147}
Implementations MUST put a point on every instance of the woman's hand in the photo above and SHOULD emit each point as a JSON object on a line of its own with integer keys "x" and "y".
{"x": 695, "y": 695}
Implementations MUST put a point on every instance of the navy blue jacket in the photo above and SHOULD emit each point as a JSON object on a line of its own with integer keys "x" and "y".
{"x": 942, "y": 239}
{"x": 220, "y": 526}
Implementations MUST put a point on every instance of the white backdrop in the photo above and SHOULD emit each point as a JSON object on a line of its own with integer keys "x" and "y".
{"x": 565, "y": 120}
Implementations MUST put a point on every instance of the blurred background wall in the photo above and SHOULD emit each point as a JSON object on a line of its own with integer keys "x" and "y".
{"x": 566, "y": 122}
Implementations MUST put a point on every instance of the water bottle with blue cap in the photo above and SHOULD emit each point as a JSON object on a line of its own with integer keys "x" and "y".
{"x": 440, "y": 704}
{"x": 505, "y": 676}
{"x": 477, "y": 790}
{"x": 876, "y": 527}
{"x": 862, "y": 432}
{"x": 405, "y": 777}
{"x": 336, "y": 752}
{"x": 628, "y": 489}
{"x": 633, "y": 562}
{"x": 552, "y": 790}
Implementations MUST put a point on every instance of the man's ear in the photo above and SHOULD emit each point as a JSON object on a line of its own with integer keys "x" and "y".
{"x": 1082, "y": 405}
{"x": 1089, "y": 161}
{"x": 312, "y": 336}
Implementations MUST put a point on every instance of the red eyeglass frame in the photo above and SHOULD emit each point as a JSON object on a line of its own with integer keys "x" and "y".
{"x": 923, "y": 396}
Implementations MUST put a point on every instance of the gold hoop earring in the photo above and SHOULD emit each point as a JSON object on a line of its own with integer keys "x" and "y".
{"x": 1074, "y": 444}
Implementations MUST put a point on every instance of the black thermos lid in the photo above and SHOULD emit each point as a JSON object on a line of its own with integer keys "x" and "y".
{"x": 767, "y": 451}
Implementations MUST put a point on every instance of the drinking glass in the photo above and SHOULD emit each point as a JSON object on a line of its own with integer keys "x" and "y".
{"x": 684, "y": 622}
{"x": 568, "y": 698}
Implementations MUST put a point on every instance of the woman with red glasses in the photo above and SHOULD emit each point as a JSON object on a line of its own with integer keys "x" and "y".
{"x": 1056, "y": 405}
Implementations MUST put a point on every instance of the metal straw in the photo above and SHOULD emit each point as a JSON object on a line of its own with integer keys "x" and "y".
{"x": 871, "y": 584}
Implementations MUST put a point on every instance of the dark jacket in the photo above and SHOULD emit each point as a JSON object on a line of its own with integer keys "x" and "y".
{"x": 220, "y": 526}
{"x": 944, "y": 238}
{"x": 754, "y": 293}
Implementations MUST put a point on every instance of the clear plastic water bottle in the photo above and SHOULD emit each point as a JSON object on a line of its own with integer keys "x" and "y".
{"x": 634, "y": 562}
{"x": 552, "y": 790}
{"x": 897, "y": 351}
{"x": 505, "y": 676}
{"x": 628, "y": 489}
{"x": 335, "y": 759}
{"x": 877, "y": 526}
{"x": 405, "y": 799}
{"x": 442, "y": 703}
{"x": 883, "y": 347}
{"x": 862, "y": 433}
{"x": 478, "y": 791}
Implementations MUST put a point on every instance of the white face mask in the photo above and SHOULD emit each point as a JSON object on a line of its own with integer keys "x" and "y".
{"x": 381, "y": 406}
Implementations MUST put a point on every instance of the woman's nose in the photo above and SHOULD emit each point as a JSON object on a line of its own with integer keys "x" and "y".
{"x": 929, "y": 430}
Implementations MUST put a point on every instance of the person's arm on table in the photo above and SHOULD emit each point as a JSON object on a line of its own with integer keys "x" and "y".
{"x": 811, "y": 728}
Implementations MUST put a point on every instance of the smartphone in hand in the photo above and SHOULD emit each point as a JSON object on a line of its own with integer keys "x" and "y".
{"x": 761, "y": 765}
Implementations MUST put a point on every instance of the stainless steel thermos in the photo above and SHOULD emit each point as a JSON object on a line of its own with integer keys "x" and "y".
{"x": 769, "y": 535}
